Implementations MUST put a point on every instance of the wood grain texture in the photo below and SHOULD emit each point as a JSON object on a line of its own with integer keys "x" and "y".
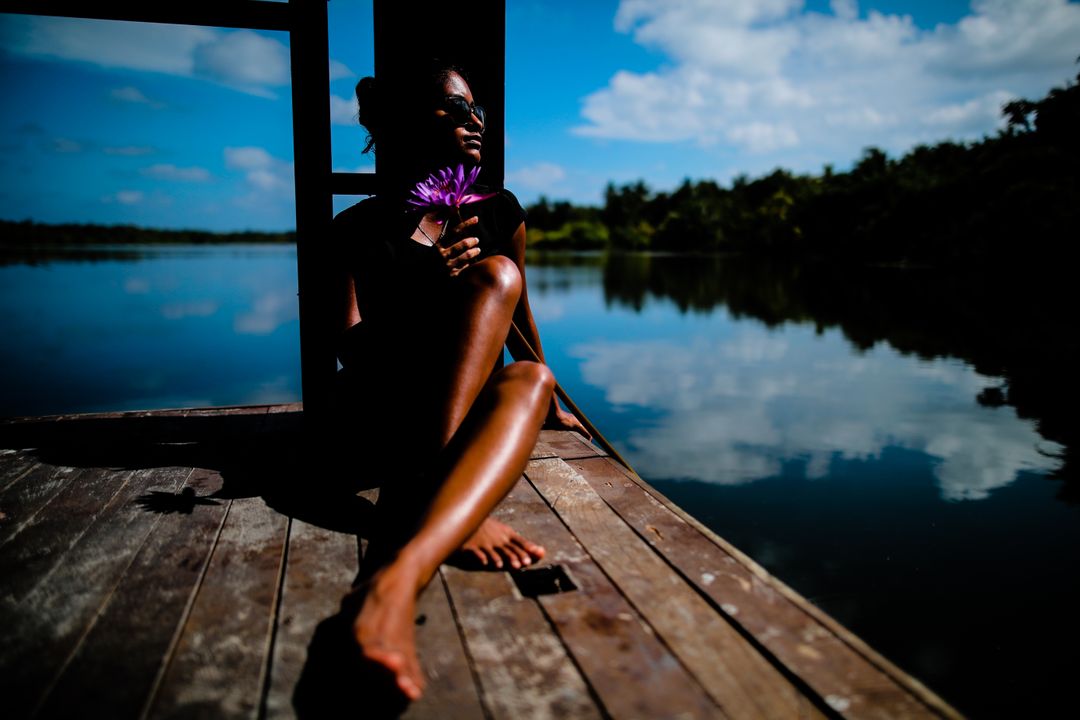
{"x": 130, "y": 639}
{"x": 840, "y": 675}
{"x": 62, "y": 598}
{"x": 217, "y": 668}
{"x": 569, "y": 445}
{"x": 736, "y": 676}
{"x": 610, "y": 642}
{"x": 23, "y": 499}
{"x": 451, "y": 692}
{"x": 319, "y": 571}
{"x": 13, "y": 465}
{"x": 523, "y": 668}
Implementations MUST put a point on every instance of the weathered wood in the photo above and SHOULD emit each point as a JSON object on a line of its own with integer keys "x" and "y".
{"x": 38, "y": 543}
{"x": 451, "y": 692}
{"x": 542, "y": 450}
{"x": 841, "y": 675}
{"x": 22, "y": 499}
{"x": 218, "y": 664}
{"x": 319, "y": 571}
{"x": 608, "y": 639}
{"x": 569, "y": 445}
{"x": 61, "y": 603}
{"x": 130, "y": 639}
{"x": 523, "y": 669}
{"x": 731, "y": 670}
{"x": 195, "y": 608}
{"x": 14, "y": 463}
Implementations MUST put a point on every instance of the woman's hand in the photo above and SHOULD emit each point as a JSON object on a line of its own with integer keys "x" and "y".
{"x": 559, "y": 419}
{"x": 457, "y": 248}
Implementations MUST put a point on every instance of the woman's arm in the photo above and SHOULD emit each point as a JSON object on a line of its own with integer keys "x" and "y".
{"x": 523, "y": 318}
{"x": 348, "y": 325}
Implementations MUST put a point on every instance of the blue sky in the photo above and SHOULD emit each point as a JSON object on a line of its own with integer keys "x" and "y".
{"x": 172, "y": 126}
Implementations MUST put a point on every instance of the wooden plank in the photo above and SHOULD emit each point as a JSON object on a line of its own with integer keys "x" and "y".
{"x": 523, "y": 668}
{"x": 14, "y": 464}
{"x": 21, "y": 500}
{"x": 59, "y": 606}
{"x": 608, "y": 639}
{"x": 840, "y": 674}
{"x": 319, "y": 571}
{"x": 451, "y": 689}
{"x": 41, "y": 540}
{"x": 451, "y": 692}
{"x": 569, "y": 445}
{"x": 736, "y": 676}
{"x": 542, "y": 450}
{"x": 218, "y": 664}
{"x": 131, "y": 637}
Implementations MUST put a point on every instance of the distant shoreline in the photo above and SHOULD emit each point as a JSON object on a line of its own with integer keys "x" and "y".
{"x": 29, "y": 233}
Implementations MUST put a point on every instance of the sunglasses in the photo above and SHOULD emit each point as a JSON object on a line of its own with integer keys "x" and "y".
{"x": 461, "y": 112}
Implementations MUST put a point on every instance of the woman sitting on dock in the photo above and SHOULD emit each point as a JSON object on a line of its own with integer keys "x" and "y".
{"x": 430, "y": 282}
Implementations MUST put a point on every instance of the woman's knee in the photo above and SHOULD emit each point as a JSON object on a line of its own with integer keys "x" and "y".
{"x": 496, "y": 274}
{"x": 537, "y": 376}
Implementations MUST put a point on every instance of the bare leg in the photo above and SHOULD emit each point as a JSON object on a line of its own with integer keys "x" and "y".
{"x": 488, "y": 293}
{"x": 485, "y": 458}
{"x": 483, "y": 430}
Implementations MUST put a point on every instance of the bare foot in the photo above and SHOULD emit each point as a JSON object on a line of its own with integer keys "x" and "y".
{"x": 496, "y": 543}
{"x": 384, "y": 630}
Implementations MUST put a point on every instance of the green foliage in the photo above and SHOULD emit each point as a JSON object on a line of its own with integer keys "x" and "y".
{"x": 1005, "y": 199}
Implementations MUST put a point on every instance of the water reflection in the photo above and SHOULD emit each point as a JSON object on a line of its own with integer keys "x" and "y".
{"x": 131, "y": 327}
{"x": 1013, "y": 328}
{"x": 735, "y": 410}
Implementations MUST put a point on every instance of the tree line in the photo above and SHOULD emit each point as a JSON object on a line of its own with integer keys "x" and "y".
{"x": 1001, "y": 200}
{"x": 28, "y": 233}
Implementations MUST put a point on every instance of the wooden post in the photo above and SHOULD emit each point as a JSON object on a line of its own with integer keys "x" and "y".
{"x": 310, "y": 52}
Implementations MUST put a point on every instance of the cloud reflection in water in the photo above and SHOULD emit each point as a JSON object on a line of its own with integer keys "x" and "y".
{"x": 732, "y": 411}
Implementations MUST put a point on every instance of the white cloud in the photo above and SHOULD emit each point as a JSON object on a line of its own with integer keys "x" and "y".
{"x": 241, "y": 59}
{"x": 125, "y": 197}
{"x": 110, "y": 43}
{"x": 768, "y": 77}
{"x": 268, "y": 178}
{"x": 760, "y": 137}
{"x": 269, "y": 312}
{"x": 540, "y": 177}
{"x": 166, "y": 171}
{"x": 244, "y": 59}
{"x": 735, "y": 410}
{"x": 342, "y": 110}
{"x": 339, "y": 70}
{"x": 131, "y": 94}
{"x": 247, "y": 158}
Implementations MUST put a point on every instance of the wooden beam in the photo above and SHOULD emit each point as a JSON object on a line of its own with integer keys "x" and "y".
{"x": 309, "y": 48}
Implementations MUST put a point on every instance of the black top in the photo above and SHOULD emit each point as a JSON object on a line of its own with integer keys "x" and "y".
{"x": 400, "y": 282}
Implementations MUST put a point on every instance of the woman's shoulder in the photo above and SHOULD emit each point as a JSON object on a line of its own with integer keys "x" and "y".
{"x": 361, "y": 230}
{"x": 504, "y": 205}
{"x": 364, "y": 212}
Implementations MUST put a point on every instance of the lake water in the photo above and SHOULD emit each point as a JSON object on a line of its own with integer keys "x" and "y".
{"x": 834, "y": 428}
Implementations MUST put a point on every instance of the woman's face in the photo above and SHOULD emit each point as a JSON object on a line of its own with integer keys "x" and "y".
{"x": 463, "y": 141}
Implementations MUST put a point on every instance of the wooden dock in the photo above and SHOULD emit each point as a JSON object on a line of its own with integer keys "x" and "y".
{"x": 193, "y": 563}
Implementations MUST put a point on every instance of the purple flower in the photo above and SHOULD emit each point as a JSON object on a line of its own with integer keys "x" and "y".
{"x": 447, "y": 188}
